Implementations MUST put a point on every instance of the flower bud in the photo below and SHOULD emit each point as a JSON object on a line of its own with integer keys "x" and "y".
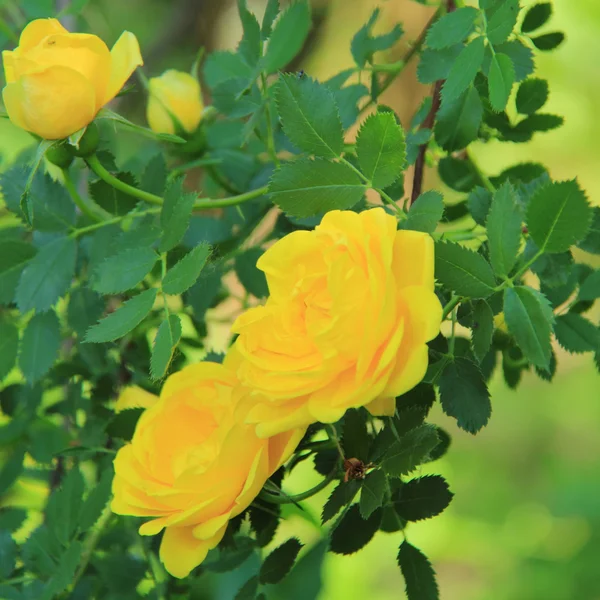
{"x": 59, "y": 155}
{"x": 88, "y": 142}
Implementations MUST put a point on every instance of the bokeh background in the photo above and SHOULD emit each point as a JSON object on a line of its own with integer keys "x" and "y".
{"x": 525, "y": 521}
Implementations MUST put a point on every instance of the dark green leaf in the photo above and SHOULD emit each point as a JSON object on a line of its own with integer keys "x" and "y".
{"x": 529, "y": 319}
{"x": 288, "y": 37}
{"x": 264, "y": 520}
{"x": 418, "y": 574}
{"x": 175, "y": 215}
{"x": 482, "y": 329}
{"x": 236, "y": 98}
{"x": 39, "y": 346}
{"x": 353, "y": 532}
{"x": 364, "y": 45}
{"x": 85, "y": 308}
{"x": 165, "y": 342}
{"x": 536, "y": 122}
{"x": 479, "y": 203}
{"x": 305, "y": 582}
{"x": 521, "y": 56}
{"x": 591, "y": 242}
{"x": 112, "y": 200}
{"x": 12, "y": 518}
{"x": 342, "y": 495}
{"x": 123, "y": 270}
{"x": 347, "y": 100}
{"x": 64, "y": 507}
{"x": 423, "y": 498}
{"x": 590, "y": 288}
{"x": 184, "y": 274}
{"x": 309, "y": 115}
{"x": 47, "y": 276}
{"x": 558, "y": 216}
{"x": 8, "y": 555}
{"x": 250, "y": 276}
{"x": 452, "y": 28}
{"x": 425, "y": 212}
{"x": 576, "y": 334}
{"x": 355, "y": 438}
{"x": 308, "y": 187}
{"x": 124, "y": 319}
{"x": 536, "y": 16}
{"x": 372, "y": 493}
{"x": 11, "y": 469}
{"x": 457, "y": 174}
{"x": 463, "y": 271}
{"x": 463, "y": 70}
{"x": 458, "y": 121}
{"x": 532, "y": 95}
{"x": 280, "y": 562}
{"x": 249, "y": 590}
{"x": 435, "y": 65}
{"x": 250, "y": 46}
{"x": 122, "y": 425}
{"x": 410, "y": 451}
{"x": 380, "y": 149}
{"x": 9, "y": 344}
{"x": 96, "y": 501}
{"x": 500, "y": 79}
{"x": 62, "y": 577}
{"x": 501, "y": 23}
{"x": 154, "y": 179}
{"x": 548, "y": 41}
{"x": 464, "y": 395}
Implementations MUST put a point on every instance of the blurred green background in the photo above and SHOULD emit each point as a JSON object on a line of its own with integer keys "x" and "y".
{"x": 525, "y": 521}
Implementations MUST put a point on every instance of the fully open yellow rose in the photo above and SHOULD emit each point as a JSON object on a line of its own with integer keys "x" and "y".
{"x": 193, "y": 463}
{"x": 174, "y": 95}
{"x": 58, "y": 81}
{"x": 350, "y": 310}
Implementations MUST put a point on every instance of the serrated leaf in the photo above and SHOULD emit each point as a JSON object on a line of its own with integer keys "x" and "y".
{"x": 124, "y": 319}
{"x": 165, "y": 342}
{"x": 11, "y": 469}
{"x": 425, "y": 212}
{"x": 479, "y": 203}
{"x": 411, "y": 450}
{"x": 591, "y": 242}
{"x": 8, "y": 555}
{"x": 39, "y": 346}
{"x": 250, "y": 45}
{"x": 222, "y": 65}
{"x": 372, "y": 493}
{"x": 380, "y": 149}
{"x": 308, "y": 187}
{"x": 9, "y": 344}
{"x": 347, "y": 99}
{"x": 521, "y": 56}
{"x": 532, "y": 95}
{"x": 418, "y": 574}
{"x": 536, "y": 16}
{"x": 536, "y": 122}
{"x": 452, "y": 28}
{"x": 63, "y": 575}
{"x": 364, "y": 45}
{"x": 264, "y": 520}
{"x": 85, "y": 308}
{"x": 271, "y": 12}
{"x": 435, "y": 65}
{"x": 250, "y": 276}
{"x": 14, "y": 256}
{"x": 500, "y": 80}
{"x": 124, "y": 270}
{"x": 558, "y": 216}
{"x": 114, "y": 201}
{"x": 184, "y": 274}
{"x": 309, "y": 115}
{"x": 154, "y": 179}
{"x": 288, "y": 37}
{"x": 590, "y": 288}
{"x": 459, "y": 121}
{"x": 47, "y": 276}
{"x": 501, "y": 23}
{"x": 64, "y": 507}
{"x": 464, "y": 394}
{"x": 482, "y": 329}
{"x": 353, "y": 532}
{"x": 96, "y": 501}
{"x": 463, "y": 271}
{"x": 529, "y": 319}
{"x": 423, "y": 498}
{"x": 249, "y": 590}
{"x": 548, "y": 41}
{"x": 576, "y": 334}
{"x": 123, "y": 424}
{"x": 280, "y": 562}
{"x": 463, "y": 70}
{"x": 341, "y": 495}
{"x": 175, "y": 215}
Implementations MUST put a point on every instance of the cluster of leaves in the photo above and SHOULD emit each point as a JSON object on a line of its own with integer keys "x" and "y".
{"x": 88, "y": 307}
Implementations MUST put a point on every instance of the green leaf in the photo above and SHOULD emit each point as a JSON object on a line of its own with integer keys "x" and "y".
{"x": 418, "y": 574}
{"x": 250, "y": 276}
{"x": 355, "y": 437}
{"x": 459, "y": 121}
{"x": 341, "y": 496}
{"x": 532, "y": 95}
{"x": 154, "y": 179}
{"x": 184, "y": 274}
{"x": 558, "y": 216}
{"x": 501, "y": 23}
{"x": 8, "y": 555}
{"x": 548, "y": 41}
{"x": 372, "y": 493}
{"x": 124, "y": 270}
{"x": 425, "y": 212}
{"x": 591, "y": 242}
{"x": 536, "y": 16}
{"x": 47, "y": 276}
{"x": 123, "y": 424}
{"x": 576, "y": 334}
{"x": 63, "y": 575}
{"x": 9, "y": 344}
{"x": 124, "y": 319}
{"x": 96, "y": 501}
{"x": 305, "y": 582}
{"x": 464, "y": 395}
{"x": 521, "y": 56}
{"x": 536, "y": 122}
{"x": 39, "y": 346}
{"x": 223, "y": 65}
{"x": 250, "y": 46}
{"x": 482, "y": 329}
{"x": 165, "y": 342}
{"x": 380, "y": 149}
{"x": 423, "y": 498}
{"x": 308, "y": 187}
{"x": 249, "y": 590}
{"x": 64, "y": 507}
{"x": 12, "y": 518}
{"x": 589, "y": 290}
{"x": 479, "y": 203}
{"x": 264, "y": 520}
{"x": 500, "y": 80}
{"x": 452, "y": 28}
{"x": 457, "y": 173}
{"x": 14, "y": 255}
{"x": 85, "y": 308}
{"x": 11, "y": 469}
{"x": 364, "y": 45}
{"x": 309, "y": 115}
{"x": 353, "y": 532}
{"x": 435, "y": 65}
{"x": 504, "y": 230}
{"x": 411, "y": 450}
{"x": 288, "y": 37}
{"x": 529, "y": 319}
{"x": 112, "y": 200}
{"x": 463, "y": 271}
{"x": 463, "y": 70}
{"x": 271, "y": 12}
{"x": 280, "y": 562}
{"x": 175, "y": 215}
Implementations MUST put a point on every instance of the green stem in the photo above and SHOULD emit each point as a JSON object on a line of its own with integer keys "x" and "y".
{"x": 483, "y": 178}
{"x": 331, "y": 432}
{"x": 200, "y": 162}
{"x": 83, "y": 230}
{"x": 84, "y": 207}
{"x": 452, "y": 334}
{"x": 270, "y": 136}
{"x": 285, "y": 499}
{"x": 454, "y": 302}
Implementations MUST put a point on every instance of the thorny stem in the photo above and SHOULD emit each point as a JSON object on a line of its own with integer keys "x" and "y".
{"x": 285, "y": 499}
{"x": 331, "y": 432}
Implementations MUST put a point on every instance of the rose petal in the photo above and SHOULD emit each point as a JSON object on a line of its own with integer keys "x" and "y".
{"x": 37, "y": 30}
{"x": 382, "y": 406}
{"x": 8, "y": 61}
{"x": 135, "y": 397}
{"x": 12, "y": 95}
{"x": 125, "y": 57}
{"x": 413, "y": 261}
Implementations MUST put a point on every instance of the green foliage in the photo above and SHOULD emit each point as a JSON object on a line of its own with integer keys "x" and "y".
{"x": 39, "y": 346}
{"x": 464, "y": 69}
{"x": 425, "y": 212}
{"x": 418, "y": 573}
{"x": 372, "y": 493}
{"x": 352, "y": 532}
{"x": 423, "y": 498}
{"x": 185, "y": 273}
{"x": 280, "y": 562}
{"x": 364, "y": 45}
{"x": 452, "y": 28}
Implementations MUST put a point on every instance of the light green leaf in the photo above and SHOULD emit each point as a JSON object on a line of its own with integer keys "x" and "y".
{"x": 364, "y": 44}
{"x": 9, "y": 344}
{"x": 463, "y": 71}
{"x": 271, "y": 12}
{"x": 590, "y": 288}
{"x": 372, "y": 493}
{"x": 502, "y": 20}
{"x": 529, "y": 319}
{"x": 452, "y": 28}
{"x": 435, "y": 65}
{"x": 500, "y": 80}
{"x": 380, "y": 149}
{"x": 175, "y": 215}
{"x": 576, "y": 334}
{"x": 106, "y": 113}
{"x": 167, "y": 338}
{"x": 184, "y": 274}
{"x": 308, "y": 187}
{"x": 532, "y": 95}
{"x": 591, "y": 242}
{"x": 458, "y": 121}
{"x": 250, "y": 46}
{"x": 124, "y": 270}
{"x": 482, "y": 329}
{"x": 39, "y": 346}
{"x": 521, "y": 56}
{"x": 124, "y": 319}
{"x": 425, "y": 212}
{"x": 221, "y": 66}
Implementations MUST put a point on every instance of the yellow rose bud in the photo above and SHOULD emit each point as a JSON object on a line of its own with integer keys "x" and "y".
{"x": 351, "y": 308}
{"x": 56, "y": 81}
{"x": 193, "y": 463}
{"x": 174, "y": 98}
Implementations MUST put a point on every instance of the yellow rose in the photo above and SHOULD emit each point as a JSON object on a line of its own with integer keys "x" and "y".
{"x": 350, "y": 310}
{"x": 174, "y": 95}
{"x": 193, "y": 463}
{"x": 56, "y": 81}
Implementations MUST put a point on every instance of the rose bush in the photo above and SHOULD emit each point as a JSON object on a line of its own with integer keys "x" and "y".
{"x": 193, "y": 464}
{"x": 56, "y": 81}
{"x": 351, "y": 308}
